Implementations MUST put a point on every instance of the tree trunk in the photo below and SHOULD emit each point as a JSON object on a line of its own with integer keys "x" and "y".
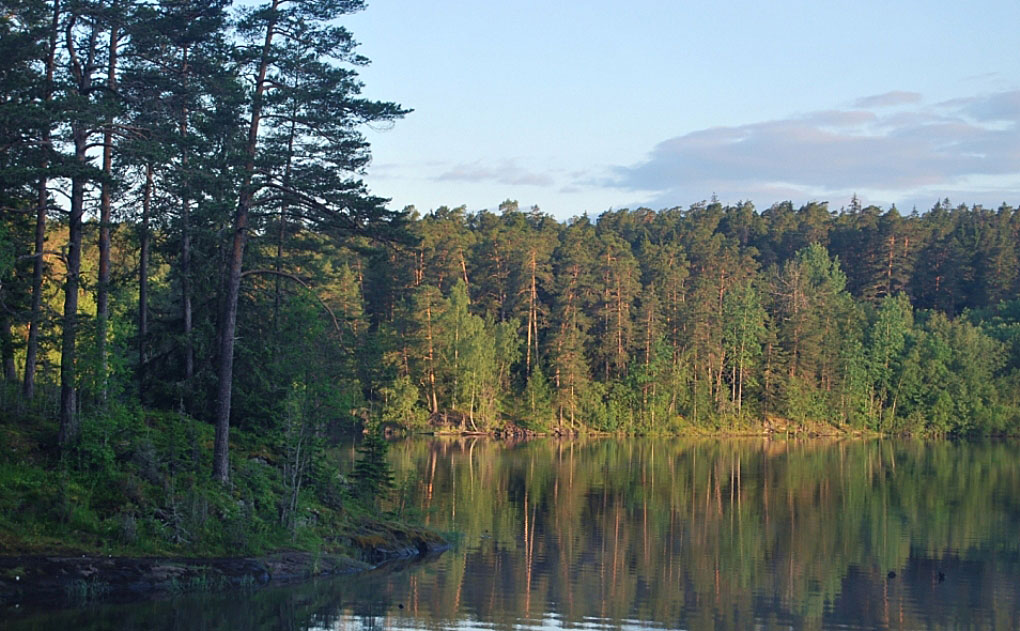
{"x": 143, "y": 281}
{"x": 431, "y": 359}
{"x": 620, "y": 364}
{"x": 68, "y": 416}
{"x": 282, "y": 233}
{"x": 80, "y": 136}
{"x": 186, "y": 306}
{"x": 228, "y": 323}
{"x": 103, "y": 293}
{"x": 232, "y": 288}
{"x": 889, "y": 268}
{"x": 463, "y": 271}
{"x": 740, "y": 381}
{"x": 32, "y": 348}
{"x": 42, "y": 201}
{"x": 531, "y": 319}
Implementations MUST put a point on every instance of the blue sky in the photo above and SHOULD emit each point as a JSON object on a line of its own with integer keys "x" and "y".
{"x": 585, "y": 106}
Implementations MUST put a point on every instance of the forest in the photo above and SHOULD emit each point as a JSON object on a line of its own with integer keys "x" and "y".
{"x": 714, "y": 316}
{"x": 146, "y": 151}
{"x": 185, "y": 229}
{"x": 199, "y": 295}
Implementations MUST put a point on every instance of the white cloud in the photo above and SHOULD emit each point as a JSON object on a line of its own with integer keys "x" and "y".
{"x": 506, "y": 172}
{"x": 905, "y": 153}
{"x": 888, "y": 99}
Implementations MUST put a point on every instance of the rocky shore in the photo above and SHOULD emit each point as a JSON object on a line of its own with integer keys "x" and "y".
{"x": 64, "y": 579}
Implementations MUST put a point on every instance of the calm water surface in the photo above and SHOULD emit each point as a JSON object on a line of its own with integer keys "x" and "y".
{"x": 667, "y": 534}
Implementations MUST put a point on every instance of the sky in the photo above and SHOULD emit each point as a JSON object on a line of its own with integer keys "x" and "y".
{"x": 581, "y": 107}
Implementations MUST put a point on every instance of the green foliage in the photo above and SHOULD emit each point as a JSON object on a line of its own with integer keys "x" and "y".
{"x": 401, "y": 403}
{"x": 537, "y": 412}
{"x": 137, "y": 483}
{"x": 6, "y": 252}
{"x": 745, "y": 323}
{"x": 708, "y": 317}
{"x": 373, "y": 477}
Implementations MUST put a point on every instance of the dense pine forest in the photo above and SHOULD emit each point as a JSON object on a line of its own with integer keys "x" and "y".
{"x": 185, "y": 229}
{"x": 713, "y": 316}
{"x": 165, "y": 170}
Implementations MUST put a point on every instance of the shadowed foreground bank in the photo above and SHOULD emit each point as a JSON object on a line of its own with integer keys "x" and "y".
{"x": 37, "y": 581}
{"x": 129, "y": 510}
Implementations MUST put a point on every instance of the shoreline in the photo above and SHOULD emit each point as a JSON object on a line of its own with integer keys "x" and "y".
{"x": 66, "y": 580}
{"x": 799, "y": 430}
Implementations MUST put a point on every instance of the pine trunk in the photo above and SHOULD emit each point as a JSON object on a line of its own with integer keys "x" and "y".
{"x": 80, "y": 137}
{"x": 232, "y": 288}
{"x": 186, "y": 306}
{"x": 143, "y": 281}
{"x": 42, "y": 201}
{"x": 103, "y": 294}
{"x": 532, "y": 324}
{"x": 431, "y": 360}
{"x": 68, "y": 395}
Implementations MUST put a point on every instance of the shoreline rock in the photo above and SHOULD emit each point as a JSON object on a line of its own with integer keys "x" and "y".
{"x": 75, "y": 580}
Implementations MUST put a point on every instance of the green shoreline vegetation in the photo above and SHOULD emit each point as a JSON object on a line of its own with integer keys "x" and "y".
{"x": 198, "y": 295}
{"x": 136, "y": 484}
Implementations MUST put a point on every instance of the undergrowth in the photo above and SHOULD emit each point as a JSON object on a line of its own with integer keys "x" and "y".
{"x": 137, "y": 483}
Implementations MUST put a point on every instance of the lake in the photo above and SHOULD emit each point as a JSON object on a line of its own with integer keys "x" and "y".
{"x": 665, "y": 534}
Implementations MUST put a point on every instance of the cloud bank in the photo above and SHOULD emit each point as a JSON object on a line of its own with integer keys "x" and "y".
{"x": 889, "y": 99}
{"x": 890, "y": 147}
{"x": 506, "y": 172}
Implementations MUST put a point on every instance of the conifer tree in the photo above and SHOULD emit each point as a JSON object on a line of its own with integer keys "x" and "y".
{"x": 30, "y": 36}
{"x": 282, "y": 39}
{"x": 85, "y": 30}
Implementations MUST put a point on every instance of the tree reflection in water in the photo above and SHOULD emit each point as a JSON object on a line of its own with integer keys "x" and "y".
{"x": 668, "y": 533}
{"x": 723, "y": 533}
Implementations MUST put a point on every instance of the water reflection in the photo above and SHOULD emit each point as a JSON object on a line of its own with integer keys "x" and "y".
{"x": 670, "y": 534}
{"x": 709, "y": 534}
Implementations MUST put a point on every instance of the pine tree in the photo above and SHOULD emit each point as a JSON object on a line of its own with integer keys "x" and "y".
{"x": 86, "y": 27}
{"x": 571, "y": 339}
{"x": 180, "y": 82}
{"x": 619, "y": 284}
{"x": 283, "y": 42}
{"x": 373, "y": 476}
